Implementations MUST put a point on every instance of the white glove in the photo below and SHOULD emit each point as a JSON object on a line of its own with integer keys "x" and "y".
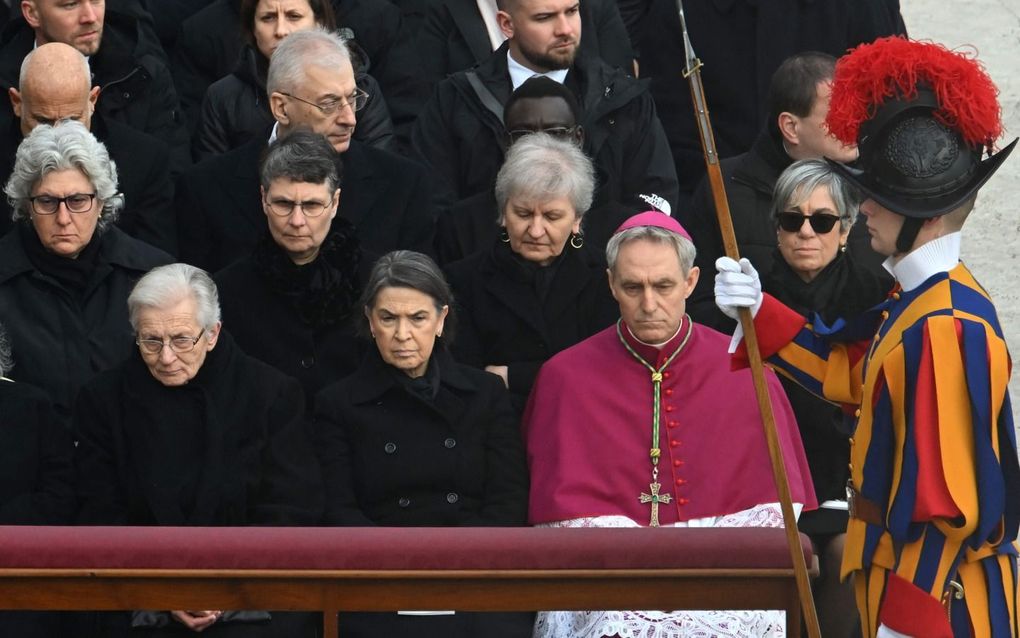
{"x": 737, "y": 286}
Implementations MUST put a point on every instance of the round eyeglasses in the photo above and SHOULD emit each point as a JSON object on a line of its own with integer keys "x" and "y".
{"x": 179, "y": 345}
{"x": 356, "y": 101}
{"x": 561, "y": 132}
{"x": 284, "y": 207}
{"x": 75, "y": 203}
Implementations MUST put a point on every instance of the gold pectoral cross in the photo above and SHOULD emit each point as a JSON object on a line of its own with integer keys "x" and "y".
{"x": 655, "y": 498}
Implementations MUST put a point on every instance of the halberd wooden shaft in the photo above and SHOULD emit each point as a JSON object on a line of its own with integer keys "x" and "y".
{"x": 692, "y": 72}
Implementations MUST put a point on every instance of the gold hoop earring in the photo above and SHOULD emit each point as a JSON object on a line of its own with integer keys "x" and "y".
{"x": 576, "y": 240}
{"x": 504, "y": 237}
{"x": 842, "y": 248}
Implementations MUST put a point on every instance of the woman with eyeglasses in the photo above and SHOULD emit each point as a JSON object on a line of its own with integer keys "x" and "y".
{"x": 813, "y": 209}
{"x": 302, "y": 279}
{"x": 190, "y": 431}
{"x": 236, "y": 108}
{"x": 537, "y": 290}
{"x": 65, "y": 269}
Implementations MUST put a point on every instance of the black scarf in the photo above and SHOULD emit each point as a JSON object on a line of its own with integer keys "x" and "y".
{"x": 323, "y": 291}
{"x": 73, "y": 274}
{"x": 841, "y": 289}
{"x": 521, "y": 270}
{"x": 425, "y": 387}
{"x": 180, "y": 438}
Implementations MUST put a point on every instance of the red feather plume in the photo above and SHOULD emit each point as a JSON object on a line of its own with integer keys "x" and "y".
{"x": 872, "y": 73}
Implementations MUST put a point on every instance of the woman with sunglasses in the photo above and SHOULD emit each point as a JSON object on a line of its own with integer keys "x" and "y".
{"x": 302, "y": 278}
{"x": 813, "y": 209}
{"x": 65, "y": 269}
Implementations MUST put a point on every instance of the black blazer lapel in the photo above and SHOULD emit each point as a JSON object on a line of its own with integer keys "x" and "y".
{"x": 361, "y": 185}
{"x": 471, "y": 27}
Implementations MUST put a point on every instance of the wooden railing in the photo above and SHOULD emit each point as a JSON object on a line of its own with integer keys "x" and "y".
{"x": 387, "y": 569}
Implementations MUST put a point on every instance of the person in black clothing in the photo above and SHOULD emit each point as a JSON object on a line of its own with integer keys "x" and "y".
{"x": 538, "y": 289}
{"x": 236, "y": 107}
{"x": 311, "y": 86}
{"x": 455, "y": 37}
{"x": 414, "y": 438}
{"x": 65, "y": 269}
{"x": 813, "y": 272}
{"x": 303, "y": 275}
{"x": 460, "y": 132}
{"x": 135, "y": 84}
{"x": 36, "y": 476}
{"x": 165, "y": 440}
{"x": 798, "y": 103}
{"x": 55, "y": 85}
{"x": 741, "y": 43}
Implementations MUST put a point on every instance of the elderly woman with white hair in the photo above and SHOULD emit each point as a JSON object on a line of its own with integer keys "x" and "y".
{"x": 189, "y": 430}
{"x": 538, "y": 290}
{"x": 65, "y": 270}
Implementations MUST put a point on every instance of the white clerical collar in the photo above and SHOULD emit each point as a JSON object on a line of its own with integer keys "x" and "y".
{"x": 488, "y": 10}
{"x": 657, "y": 346}
{"x": 519, "y": 74}
{"x": 938, "y": 255}
{"x": 272, "y": 134}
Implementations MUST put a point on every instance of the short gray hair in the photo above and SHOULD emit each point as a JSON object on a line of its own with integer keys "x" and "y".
{"x": 684, "y": 247}
{"x": 6, "y": 361}
{"x": 540, "y": 166}
{"x": 800, "y": 179}
{"x": 301, "y": 156}
{"x": 166, "y": 285}
{"x": 298, "y": 51}
{"x": 408, "y": 269}
{"x": 65, "y": 145}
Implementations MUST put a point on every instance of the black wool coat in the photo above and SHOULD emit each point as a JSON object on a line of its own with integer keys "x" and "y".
{"x": 454, "y": 37}
{"x": 504, "y": 321}
{"x": 59, "y": 342}
{"x": 220, "y": 216}
{"x": 268, "y": 327}
{"x": 143, "y": 177}
{"x": 36, "y": 473}
{"x": 463, "y": 142}
{"x": 392, "y": 458}
{"x": 250, "y": 456}
{"x": 36, "y": 483}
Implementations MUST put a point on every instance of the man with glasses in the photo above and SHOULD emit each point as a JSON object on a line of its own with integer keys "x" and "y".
{"x": 461, "y": 133}
{"x": 311, "y": 86}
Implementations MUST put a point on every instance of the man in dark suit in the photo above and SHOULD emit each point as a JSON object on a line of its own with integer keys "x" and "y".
{"x": 55, "y": 86}
{"x": 311, "y": 86}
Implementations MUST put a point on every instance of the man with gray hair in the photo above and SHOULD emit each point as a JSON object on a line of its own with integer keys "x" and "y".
{"x": 311, "y": 86}
{"x": 55, "y": 84}
{"x": 655, "y": 376}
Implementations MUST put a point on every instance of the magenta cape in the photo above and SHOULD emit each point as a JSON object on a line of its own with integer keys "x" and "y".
{"x": 588, "y": 429}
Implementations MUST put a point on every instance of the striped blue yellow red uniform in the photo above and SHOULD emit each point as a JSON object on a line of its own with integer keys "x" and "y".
{"x": 926, "y": 375}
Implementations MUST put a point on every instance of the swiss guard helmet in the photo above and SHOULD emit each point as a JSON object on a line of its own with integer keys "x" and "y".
{"x": 922, "y": 117}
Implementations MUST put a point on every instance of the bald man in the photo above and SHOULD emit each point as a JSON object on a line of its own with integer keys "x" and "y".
{"x": 55, "y": 85}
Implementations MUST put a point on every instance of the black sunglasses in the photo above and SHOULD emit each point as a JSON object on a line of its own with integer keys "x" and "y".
{"x": 793, "y": 222}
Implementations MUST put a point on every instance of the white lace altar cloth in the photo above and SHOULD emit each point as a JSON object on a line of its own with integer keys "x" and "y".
{"x": 674, "y": 624}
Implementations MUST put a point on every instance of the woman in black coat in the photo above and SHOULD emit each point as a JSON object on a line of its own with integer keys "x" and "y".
{"x": 236, "y": 107}
{"x": 36, "y": 477}
{"x": 537, "y": 290}
{"x": 415, "y": 439}
{"x": 191, "y": 431}
{"x": 65, "y": 270}
{"x": 813, "y": 211}
{"x": 302, "y": 280}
